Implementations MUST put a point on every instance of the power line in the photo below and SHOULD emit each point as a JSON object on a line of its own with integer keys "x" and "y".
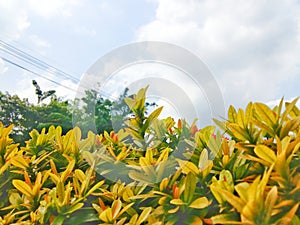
{"x": 37, "y": 74}
{"x": 34, "y": 61}
{"x": 26, "y": 57}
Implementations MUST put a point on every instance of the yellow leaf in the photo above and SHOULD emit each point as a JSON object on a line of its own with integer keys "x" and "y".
{"x": 242, "y": 190}
{"x": 235, "y": 201}
{"x": 241, "y": 118}
{"x": 177, "y": 201}
{"x": 187, "y": 166}
{"x": 227, "y": 219}
{"x": 127, "y": 194}
{"x": 125, "y": 208}
{"x": 238, "y": 132}
{"x": 130, "y": 102}
{"x": 287, "y": 218}
{"x": 265, "y": 153}
{"x": 284, "y": 203}
{"x": 80, "y": 175}
{"x": 53, "y": 167}
{"x": 232, "y": 114}
{"x": 60, "y": 190}
{"x": 171, "y": 211}
{"x": 95, "y": 187}
{"x": 67, "y": 194}
{"x": 248, "y": 113}
{"x": 265, "y": 114}
{"x": 262, "y": 125}
{"x": 190, "y": 186}
{"x": 77, "y": 134}
{"x": 271, "y": 200}
{"x": 163, "y": 184}
{"x": 290, "y": 125}
{"x": 116, "y": 207}
{"x": 197, "y": 221}
{"x": 203, "y": 160}
{"x": 19, "y": 161}
{"x": 162, "y": 200}
{"x": 144, "y": 215}
{"x": 200, "y": 203}
{"x": 54, "y": 177}
{"x": 22, "y": 187}
{"x": 290, "y": 107}
{"x": 164, "y": 155}
{"x": 154, "y": 114}
{"x": 4, "y": 167}
{"x": 68, "y": 170}
{"x": 37, "y": 184}
{"x": 249, "y": 211}
{"x": 74, "y": 208}
{"x": 133, "y": 219}
{"x": 106, "y": 215}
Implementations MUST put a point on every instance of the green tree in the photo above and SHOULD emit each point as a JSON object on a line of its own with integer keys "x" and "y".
{"x": 19, "y": 112}
{"x": 57, "y": 113}
{"x": 92, "y": 112}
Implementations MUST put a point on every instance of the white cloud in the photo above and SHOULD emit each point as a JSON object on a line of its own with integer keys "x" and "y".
{"x": 252, "y": 47}
{"x": 13, "y": 19}
{"x": 25, "y": 89}
{"x": 64, "y": 92}
{"x": 3, "y": 68}
{"x": 276, "y": 102}
{"x": 39, "y": 42}
{"x": 47, "y": 9}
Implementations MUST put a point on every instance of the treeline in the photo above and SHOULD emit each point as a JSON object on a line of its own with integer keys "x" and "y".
{"x": 92, "y": 112}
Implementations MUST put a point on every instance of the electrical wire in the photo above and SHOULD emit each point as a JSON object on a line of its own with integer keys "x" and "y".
{"x": 37, "y": 74}
{"x": 26, "y": 57}
{"x": 34, "y": 61}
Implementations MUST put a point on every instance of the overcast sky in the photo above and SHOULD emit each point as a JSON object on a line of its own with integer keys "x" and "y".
{"x": 252, "y": 47}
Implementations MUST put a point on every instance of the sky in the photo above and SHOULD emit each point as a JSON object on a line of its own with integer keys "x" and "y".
{"x": 252, "y": 48}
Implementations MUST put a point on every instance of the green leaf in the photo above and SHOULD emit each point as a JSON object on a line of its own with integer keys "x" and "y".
{"x": 82, "y": 216}
{"x": 59, "y": 220}
{"x": 190, "y": 186}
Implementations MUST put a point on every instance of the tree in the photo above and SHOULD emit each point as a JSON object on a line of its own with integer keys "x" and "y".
{"x": 19, "y": 112}
{"x": 91, "y": 112}
{"x": 57, "y": 113}
{"x": 40, "y": 94}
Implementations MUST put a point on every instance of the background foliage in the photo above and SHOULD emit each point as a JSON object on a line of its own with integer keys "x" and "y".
{"x": 97, "y": 110}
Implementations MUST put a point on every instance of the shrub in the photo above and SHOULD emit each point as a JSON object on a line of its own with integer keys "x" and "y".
{"x": 157, "y": 171}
